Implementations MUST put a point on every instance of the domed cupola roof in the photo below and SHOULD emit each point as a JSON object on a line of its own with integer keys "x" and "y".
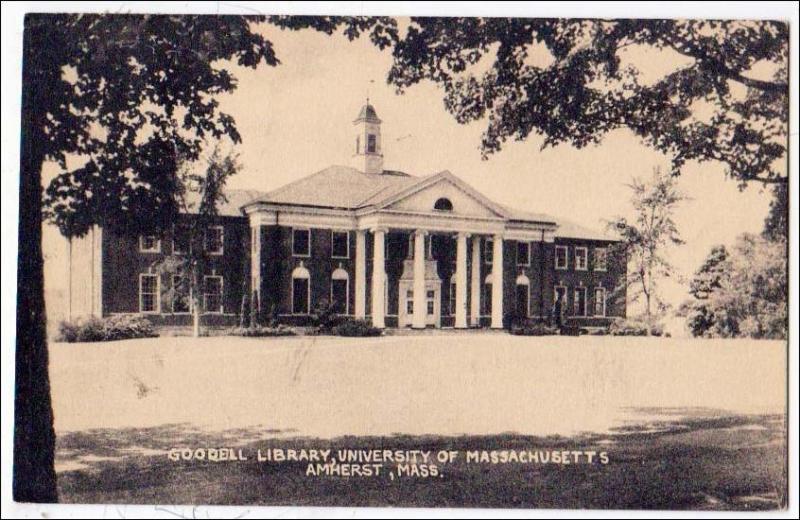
{"x": 368, "y": 114}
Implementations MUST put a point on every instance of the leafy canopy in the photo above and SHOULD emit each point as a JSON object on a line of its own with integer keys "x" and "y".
{"x": 566, "y": 80}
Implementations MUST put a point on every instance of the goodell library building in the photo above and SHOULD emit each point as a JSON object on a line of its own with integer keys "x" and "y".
{"x": 396, "y": 249}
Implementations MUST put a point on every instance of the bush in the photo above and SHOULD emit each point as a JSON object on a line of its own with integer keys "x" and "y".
{"x": 356, "y": 328}
{"x": 325, "y": 317}
{"x": 112, "y": 328}
{"x": 262, "y": 332}
{"x": 535, "y": 329}
{"x": 630, "y": 327}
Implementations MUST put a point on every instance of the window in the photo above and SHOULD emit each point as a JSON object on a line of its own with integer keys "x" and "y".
{"x": 562, "y": 257}
{"x": 581, "y": 258}
{"x": 580, "y": 301}
{"x": 410, "y": 302}
{"x": 212, "y": 294}
{"x": 599, "y": 301}
{"x": 149, "y": 244}
{"x": 340, "y": 244}
{"x": 301, "y": 296}
{"x": 301, "y": 242}
{"x": 523, "y": 287}
{"x": 181, "y": 295}
{"x": 443, "y": 204}
{"x": 214, "y": 240}
{"x": 358, "y": 144}
{"x": 180, "y": 240}
{"x": 523, "y": 253}
{"x": 488, "y": 250}
{"x": 371, "y": 143}
{"x": 340, "y": 291}
{"x": 600, "y": 259}
{"x": 431, "y": 300}
{"x": 148, "y": 293}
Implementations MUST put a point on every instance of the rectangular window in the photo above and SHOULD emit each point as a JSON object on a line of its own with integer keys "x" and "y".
{"x": 339, "y": 301}
{"x": 340, "y": 244}
{"x": 212, "y": 294}
{"x": 486, "y": 300}
{"x": 600, "y": 259}
{"x": 371, "y": 143}
{"x": 488, "y": 250}
{"x": 148, "y": 293}
{"x": 215, "y": 240}
{"x": 580, "y": 301}
{"x": 523, "y": 253}
{"x": 149, "y": 244}
{"x": 452, "y": 302}
{"x": 560, "y": 292}
{"x": 562, "y": 257}
{"x": 581, "y": 258}
{"x": 301, "y": 242}
{"x": 300, "y": 296}
{"x": 599, "y": 301}
{"x": 181, "y": 295}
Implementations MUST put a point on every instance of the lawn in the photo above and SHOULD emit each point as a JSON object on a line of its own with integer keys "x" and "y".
{"x": 686, "y": 423}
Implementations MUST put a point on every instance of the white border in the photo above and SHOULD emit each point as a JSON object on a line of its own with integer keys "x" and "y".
{"x": 12, "y": 16}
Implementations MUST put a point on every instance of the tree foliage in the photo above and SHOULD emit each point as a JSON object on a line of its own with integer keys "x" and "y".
{"x": 646, "y": 238}
{"x": 741, "y": 293}
{"x": 199, "y": 196}
{"x": 567, "y": 81}
{"x": 128, "y": 95}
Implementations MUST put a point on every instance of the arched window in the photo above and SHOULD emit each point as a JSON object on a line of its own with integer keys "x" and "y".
{"x": 301, "y": 290}
{"x": 340, "y": 291}
{"x": 522, "y": 296}
{"x": 443, "y": 204}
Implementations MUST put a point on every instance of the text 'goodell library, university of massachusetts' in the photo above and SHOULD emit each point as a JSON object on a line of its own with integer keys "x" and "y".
{"x": 436, "y": 252}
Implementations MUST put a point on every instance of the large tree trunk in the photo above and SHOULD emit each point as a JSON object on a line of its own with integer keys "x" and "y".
{"x": 34, "y": 478}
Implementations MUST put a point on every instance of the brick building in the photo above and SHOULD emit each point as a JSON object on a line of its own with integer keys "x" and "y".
{"x": 437, "y": 252}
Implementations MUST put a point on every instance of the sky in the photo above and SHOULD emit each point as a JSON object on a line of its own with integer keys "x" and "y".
{"x": 296, "y": 119}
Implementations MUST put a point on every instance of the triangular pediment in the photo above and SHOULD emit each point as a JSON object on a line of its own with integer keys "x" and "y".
{"x": 465, "y": 200}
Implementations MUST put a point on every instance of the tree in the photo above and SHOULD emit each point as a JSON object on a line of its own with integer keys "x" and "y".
{"x": 566, "y": 80}
{"x": 199, "y": 196}
{"x": 743, "y": 293}
{"x": 124, "y": 96}
{"x": 708, "y": 279}
{"x": 776, "y": 225}
{"x": 654, "y": 202}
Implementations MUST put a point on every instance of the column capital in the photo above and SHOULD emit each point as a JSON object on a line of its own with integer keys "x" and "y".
{"x": 379, "y": 229}
{"x": 465, "y": 234}
{"x": 423, "y": 232}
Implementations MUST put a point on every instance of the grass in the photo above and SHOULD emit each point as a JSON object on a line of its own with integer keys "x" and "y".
{"x": 717, "y": 463}
{"x": 688, "y": 424}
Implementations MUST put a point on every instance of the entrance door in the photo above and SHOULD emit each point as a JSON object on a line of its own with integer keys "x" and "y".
{"x": 432, "y": 307}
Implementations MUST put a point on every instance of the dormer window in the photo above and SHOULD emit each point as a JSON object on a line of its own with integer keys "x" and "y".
{"x": 443, "y": 204}
{"x": 358, "y": 144}
{"x": 371, "y": 143}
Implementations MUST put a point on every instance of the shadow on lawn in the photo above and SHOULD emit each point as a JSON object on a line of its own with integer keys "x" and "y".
{"x": 682, "y": 459}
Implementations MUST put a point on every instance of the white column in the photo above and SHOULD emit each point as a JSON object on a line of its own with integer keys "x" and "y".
{"x": 378, "y": 278}
{"x": 255, "y": 261}
{"x": 361, "y": 275}
{"x": 420, "y": 305}
{"x": 461, "y": 281}
{"x": 475, "y": 311}
{"x": 497, "y": 283}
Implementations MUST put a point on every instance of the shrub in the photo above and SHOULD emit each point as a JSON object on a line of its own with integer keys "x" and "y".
{"x": 356, "y": 328}
{"x": 535, "y": 329}
{"x": 325, "y": 317}
{"x": 631, "y": 327}
{"x": 112, "y": 328}
{"x": 262, "y": 332}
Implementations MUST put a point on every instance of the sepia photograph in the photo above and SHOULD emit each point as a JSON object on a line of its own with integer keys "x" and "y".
{"x": 349, "y": 259}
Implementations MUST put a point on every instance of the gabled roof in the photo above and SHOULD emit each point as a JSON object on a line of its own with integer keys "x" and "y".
{"x": 340, "y": 187}
{"x": 344, "y": 187}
